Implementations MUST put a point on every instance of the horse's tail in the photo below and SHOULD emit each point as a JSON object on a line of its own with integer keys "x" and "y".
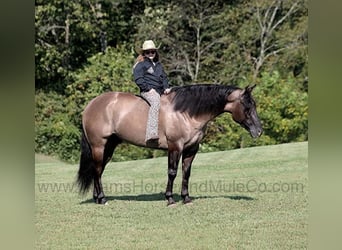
{"x": 86, "y": 173}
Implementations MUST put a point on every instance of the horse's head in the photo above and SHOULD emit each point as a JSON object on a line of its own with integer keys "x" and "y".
{"x": 243, "y": 109}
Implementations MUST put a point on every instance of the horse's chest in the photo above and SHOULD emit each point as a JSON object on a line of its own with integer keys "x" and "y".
{"x": 195, "y": 137}
{"x": 180, "y": 128}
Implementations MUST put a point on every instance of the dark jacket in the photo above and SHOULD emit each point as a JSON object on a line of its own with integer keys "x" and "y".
{"x": 148, "y": 76}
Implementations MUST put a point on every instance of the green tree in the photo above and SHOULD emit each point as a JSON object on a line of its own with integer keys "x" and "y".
{"x": 55, "y": 132}
{"x": 68, "y": 32}
{"x": 108, "y": 71}
{"x": 263, "y": 36}
{"x": 227, "y": 41}
{"x": 283, "y": 108}
{"x": 184, "y": 31}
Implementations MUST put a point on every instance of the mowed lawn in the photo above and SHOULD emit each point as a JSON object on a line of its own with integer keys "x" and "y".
{"x": 253, "y": 198}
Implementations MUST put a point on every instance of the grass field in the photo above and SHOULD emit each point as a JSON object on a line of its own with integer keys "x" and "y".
{"x": 253, "y": 198}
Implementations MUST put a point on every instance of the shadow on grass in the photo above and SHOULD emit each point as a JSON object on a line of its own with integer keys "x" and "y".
{"x": 231, "y": 197}
{"x": 161, "y": 197}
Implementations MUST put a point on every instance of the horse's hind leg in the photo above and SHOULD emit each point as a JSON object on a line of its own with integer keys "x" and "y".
{"x": 102, "y": 156}
{"x": 98, "y": 155}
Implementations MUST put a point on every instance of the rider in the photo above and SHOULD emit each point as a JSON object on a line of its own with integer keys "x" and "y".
{"x": 152, "y": 81}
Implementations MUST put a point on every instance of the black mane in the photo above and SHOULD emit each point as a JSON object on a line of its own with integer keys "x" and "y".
{"x": 201, "y": 98}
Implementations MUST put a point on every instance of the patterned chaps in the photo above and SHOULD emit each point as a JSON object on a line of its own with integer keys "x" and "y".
{"x": 153, "y": 99}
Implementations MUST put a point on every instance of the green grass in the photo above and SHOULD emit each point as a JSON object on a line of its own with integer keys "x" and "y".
{"x": 253, "y": 198}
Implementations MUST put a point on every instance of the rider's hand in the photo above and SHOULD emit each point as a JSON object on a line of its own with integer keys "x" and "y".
{"x": 167, "y": 91}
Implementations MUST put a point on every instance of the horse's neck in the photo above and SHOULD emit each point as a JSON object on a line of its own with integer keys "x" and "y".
{"x": 205, "y": 119}
{"x": 199, "y": 121}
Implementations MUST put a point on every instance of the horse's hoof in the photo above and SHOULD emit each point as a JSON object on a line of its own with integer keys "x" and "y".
{"x": 101, "y": 201}
{"x": 171, "y": 202}
{"x": 187, "y": 201}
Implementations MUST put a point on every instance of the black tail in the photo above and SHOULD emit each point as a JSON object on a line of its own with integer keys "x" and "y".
{"x": 86, "y": 173}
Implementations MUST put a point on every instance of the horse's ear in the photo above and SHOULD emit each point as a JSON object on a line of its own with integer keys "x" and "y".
{"x": 247, "y": 89}
{"x": 250, "y": 88}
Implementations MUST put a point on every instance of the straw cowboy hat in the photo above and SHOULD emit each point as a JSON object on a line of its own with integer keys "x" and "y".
{"x": 148, "y": 44}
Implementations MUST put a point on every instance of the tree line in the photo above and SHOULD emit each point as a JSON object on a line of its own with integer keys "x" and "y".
{"x": 86, "y": 47}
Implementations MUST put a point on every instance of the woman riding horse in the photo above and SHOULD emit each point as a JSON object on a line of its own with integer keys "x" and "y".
{"x": 152, "y": 81}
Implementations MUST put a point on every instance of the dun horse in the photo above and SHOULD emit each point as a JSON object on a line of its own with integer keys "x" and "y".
{"x": 116, "y": 117}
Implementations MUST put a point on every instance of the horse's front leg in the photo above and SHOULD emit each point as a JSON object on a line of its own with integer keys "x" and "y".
{"x": 188, "y": 157}
{"x": 173, "y": 160}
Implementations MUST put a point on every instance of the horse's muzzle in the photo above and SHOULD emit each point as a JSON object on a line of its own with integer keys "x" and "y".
{"x": 255, "y": 133}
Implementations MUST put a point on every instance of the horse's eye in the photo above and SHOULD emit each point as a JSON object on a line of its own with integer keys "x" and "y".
{"x": 247, "y": 111}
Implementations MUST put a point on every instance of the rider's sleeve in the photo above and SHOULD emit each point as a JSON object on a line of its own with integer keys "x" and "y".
{"x": 139, "y": 73}
{"x": 165, "y": 80}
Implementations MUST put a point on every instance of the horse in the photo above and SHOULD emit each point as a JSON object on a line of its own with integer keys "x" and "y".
{"x": 115, "y": 117}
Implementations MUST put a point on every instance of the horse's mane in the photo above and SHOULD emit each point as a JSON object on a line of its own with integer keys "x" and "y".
{"x": 201, "y": 98}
